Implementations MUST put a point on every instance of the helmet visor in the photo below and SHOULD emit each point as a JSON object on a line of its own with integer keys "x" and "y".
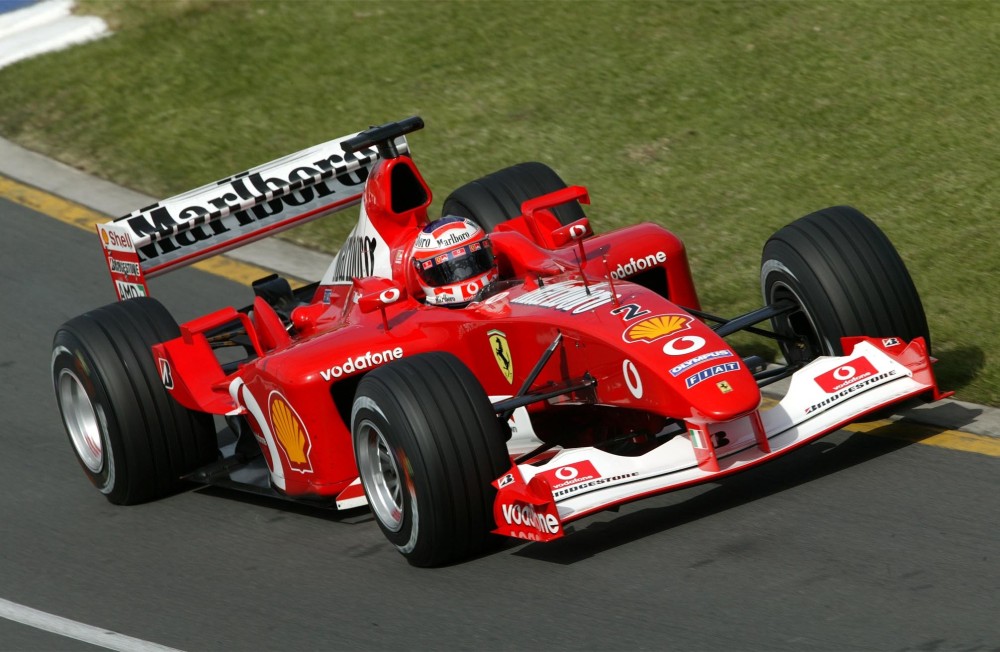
{"x": 456, "y": 265}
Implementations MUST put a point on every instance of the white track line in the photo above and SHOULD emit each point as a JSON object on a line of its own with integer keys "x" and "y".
{"x": 72, "y": 629}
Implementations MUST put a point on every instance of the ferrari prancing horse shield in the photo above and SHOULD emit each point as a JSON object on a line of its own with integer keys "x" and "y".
{"x": 501, "y": 351}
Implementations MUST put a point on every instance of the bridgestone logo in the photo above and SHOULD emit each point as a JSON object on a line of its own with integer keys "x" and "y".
{"x": 836, "y": 398}
{"x": 593, "y": 483}
{"x": 123, "y": 267}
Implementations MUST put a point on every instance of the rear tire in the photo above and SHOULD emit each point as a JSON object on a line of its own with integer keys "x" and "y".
{"x": 497, "y": 197}
{"x": 847, "y": 280}
{"x": 131, "y": 438}
{"x": 428, "y": 446}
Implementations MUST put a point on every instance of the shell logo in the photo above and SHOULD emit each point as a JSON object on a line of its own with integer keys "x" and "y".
{"x": 290, "y": 433}
{"x": 653, "y": 328}
{"x": 104, "y": 236}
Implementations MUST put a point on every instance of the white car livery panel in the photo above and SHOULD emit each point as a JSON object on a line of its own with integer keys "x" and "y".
{"x": 244, "y": 207}
{"x": 826, "y": 394}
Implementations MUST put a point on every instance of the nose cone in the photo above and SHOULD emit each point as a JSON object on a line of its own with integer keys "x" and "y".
{"x": 721, "y": 391}
{"x": 708, "y": 379}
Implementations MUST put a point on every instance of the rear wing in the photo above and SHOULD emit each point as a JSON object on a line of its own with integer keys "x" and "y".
{"x": 234, "y": 211}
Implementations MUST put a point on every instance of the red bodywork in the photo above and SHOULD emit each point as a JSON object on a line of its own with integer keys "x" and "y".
{"x": 336, "y": 340}
{"x": 630, "y": 360}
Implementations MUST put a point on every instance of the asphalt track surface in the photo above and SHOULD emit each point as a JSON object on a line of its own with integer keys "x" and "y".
{"x": 857, "y": 541}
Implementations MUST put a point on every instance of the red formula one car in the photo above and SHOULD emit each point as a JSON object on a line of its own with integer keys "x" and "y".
{"x": 501, "y": 370}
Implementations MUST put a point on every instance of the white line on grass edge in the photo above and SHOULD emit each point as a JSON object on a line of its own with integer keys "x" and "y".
{"x": 72, "y": 629}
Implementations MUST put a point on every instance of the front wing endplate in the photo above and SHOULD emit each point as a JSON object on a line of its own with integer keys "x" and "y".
{"x": 535, "y": 501}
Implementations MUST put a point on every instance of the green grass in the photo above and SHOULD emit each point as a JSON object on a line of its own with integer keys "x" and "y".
{"x": 720, "y": 120}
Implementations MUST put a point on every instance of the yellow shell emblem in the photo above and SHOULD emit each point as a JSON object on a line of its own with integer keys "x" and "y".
{"x": 291, "y": 434}
{"x": 654, "y": 328}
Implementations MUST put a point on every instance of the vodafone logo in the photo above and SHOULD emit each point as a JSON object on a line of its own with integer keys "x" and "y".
{"x": 683, "y": 345}
{"x": 847, "y": 374}
{"x": 567, "y": 473}
{"x": 389, "y": 296}
{"x": 632, "y": 379}
{"x": 524, "y": 515}
{"x": 362, "y": 362}
{"x": 844, "y": 373}
{"x": 571, "y": 474}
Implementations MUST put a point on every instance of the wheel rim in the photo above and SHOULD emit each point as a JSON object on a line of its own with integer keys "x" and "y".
{"x": 798, "y": 323}
{"x": 81, "y": 422}
{"x": 381, "y": 476}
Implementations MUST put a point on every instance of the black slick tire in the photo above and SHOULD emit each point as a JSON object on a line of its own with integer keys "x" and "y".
{"x": 428, "y": 447}
{"x": 846, "y": 278}
{"x": 131, "y": 438}
{"x": 497, "y": 197}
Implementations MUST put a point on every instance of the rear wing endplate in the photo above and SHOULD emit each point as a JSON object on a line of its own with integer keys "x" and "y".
{"x": 234, "y": 211}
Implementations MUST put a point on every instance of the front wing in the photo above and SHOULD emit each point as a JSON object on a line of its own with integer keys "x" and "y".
{"x": 536, "y": 501}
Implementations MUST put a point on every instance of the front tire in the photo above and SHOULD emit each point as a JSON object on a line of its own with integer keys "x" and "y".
{"x": 497, "y": 197}
{"x": 428, "y": 446}
{"x": 131, "y": 438}
{"x": 846, "y": 279}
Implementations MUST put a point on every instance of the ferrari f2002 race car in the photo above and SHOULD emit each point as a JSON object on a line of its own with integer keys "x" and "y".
{"x": 504, "y": 370}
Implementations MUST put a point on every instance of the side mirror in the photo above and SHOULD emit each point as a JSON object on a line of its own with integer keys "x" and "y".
{"x": 577, "y": 230}
{"x": 553, "y": 199}
{"x": 542, "y": 222}
{"x": 377, "y": 293}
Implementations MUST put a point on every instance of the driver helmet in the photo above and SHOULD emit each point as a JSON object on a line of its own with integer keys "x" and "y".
{"x": 453, "y": 258}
